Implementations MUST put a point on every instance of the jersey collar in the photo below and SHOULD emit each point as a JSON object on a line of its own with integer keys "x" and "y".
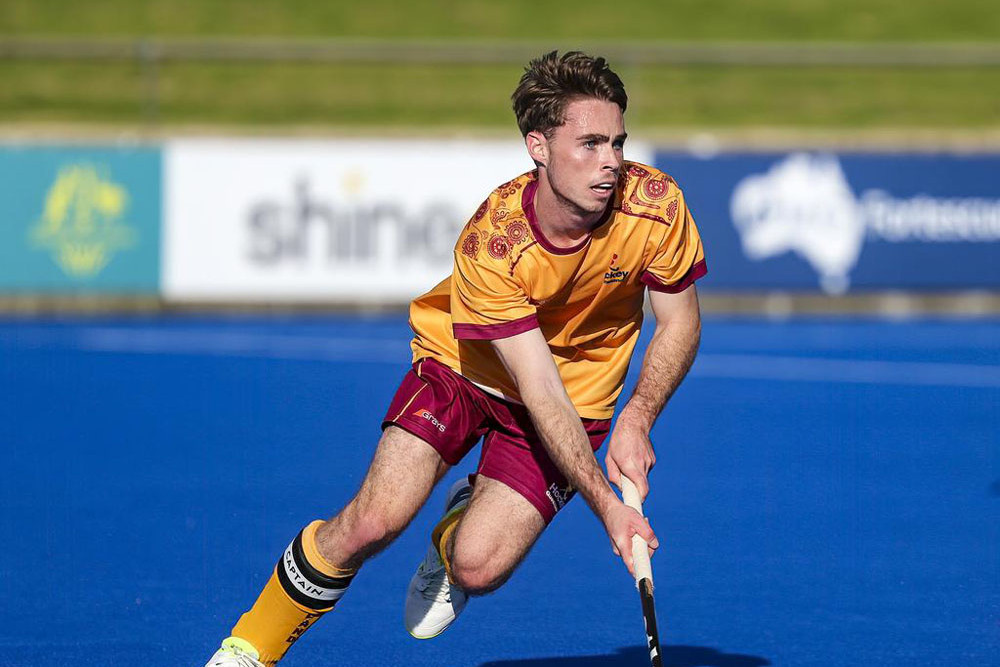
{"x": 528, "y": 206}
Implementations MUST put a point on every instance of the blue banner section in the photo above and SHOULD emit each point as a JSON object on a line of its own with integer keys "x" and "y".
{"x": 844, "y": 222}
{"x": 80, "y": 220}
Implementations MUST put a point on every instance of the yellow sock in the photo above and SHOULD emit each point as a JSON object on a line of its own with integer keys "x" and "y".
{"x": 442, "y": 532}
{"x": 303, "y": 587}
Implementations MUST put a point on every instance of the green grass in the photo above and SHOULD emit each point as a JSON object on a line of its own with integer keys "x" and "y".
{"x": 477, "y": 96}
{"x": 893, "y": 20}
{"x": 474, "y": 96}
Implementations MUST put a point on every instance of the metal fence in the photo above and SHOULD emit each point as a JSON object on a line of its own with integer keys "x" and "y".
{"x": 785, "y": 54}
{"x": 148, "y": 54}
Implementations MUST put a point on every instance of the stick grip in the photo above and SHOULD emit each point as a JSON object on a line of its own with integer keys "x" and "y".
{"x": 640, "y": 550}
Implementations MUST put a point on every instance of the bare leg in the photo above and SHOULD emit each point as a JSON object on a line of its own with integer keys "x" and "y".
{"x": 401, "y": 476}
{"x": 498, "y": 529}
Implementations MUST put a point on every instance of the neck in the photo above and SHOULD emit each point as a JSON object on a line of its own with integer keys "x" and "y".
{"x": 563, "y": 223}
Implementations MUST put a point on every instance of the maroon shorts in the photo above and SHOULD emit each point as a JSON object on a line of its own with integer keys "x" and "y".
{"x": 441, "y": 407}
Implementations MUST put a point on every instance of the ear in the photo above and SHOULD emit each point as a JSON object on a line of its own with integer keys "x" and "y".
{"x": 538, "y": 147}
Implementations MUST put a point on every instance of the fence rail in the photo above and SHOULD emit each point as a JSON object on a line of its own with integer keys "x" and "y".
{"x": 785, "y": 54}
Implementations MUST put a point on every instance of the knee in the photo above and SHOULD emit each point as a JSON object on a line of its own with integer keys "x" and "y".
{"x": 477, "y": 576}
{"x": 355, "y": 533}
{"x": 372, "y": 529}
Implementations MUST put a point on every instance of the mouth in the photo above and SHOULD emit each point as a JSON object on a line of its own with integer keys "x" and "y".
{"x": 603, "y": 190}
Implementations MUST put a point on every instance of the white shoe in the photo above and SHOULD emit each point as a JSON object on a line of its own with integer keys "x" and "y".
{"x": 433, "y": 602}
{"x": 235, "y": 652}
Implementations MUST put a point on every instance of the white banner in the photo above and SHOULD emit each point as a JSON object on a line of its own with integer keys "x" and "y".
{"x": 346, "y": 220}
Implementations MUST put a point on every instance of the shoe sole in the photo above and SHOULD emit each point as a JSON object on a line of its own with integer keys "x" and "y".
{"x": 425, "y": 637}
{"x": 447, "y": 514}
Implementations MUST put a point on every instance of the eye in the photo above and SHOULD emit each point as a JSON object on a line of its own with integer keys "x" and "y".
{"x": 618, "y": 145}
{"x": 590, "y": 144}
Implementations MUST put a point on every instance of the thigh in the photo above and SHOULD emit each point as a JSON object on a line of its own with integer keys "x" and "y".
{"x": 440, "y": 407}
{"x": 402, "y": 474}
{"x": 498, "y": 529}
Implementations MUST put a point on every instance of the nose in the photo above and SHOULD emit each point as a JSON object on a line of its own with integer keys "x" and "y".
{"x": 611, "y": 160}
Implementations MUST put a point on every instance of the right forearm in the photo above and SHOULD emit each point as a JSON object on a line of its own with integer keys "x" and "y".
{"x": 566, "y": 442}
{"x": 528, "y": 359}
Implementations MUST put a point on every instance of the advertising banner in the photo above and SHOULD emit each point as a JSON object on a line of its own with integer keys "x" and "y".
{"x": 848, "y": 222}
{"x": 79, "y": 220}
{"x": 337, "y": 220}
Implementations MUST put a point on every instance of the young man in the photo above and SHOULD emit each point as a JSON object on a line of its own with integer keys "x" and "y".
{"x": 524, "y": 346}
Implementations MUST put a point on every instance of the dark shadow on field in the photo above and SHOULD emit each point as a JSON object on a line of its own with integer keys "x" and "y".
{"x": 635, "y": 656}
{"x": 995, "y": 489}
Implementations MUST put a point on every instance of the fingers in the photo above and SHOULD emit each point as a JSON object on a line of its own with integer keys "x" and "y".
{"x": 643, "y": 486}
{"x": 614, "y": 475}
{"x": 638, "y": 478}
{"x": 621, "y": 543}
{"x": 626, "y": 556}
{"x": 645, "y": 531}
{"x": 652, "y": 544}
{"x": 623, "y": 524}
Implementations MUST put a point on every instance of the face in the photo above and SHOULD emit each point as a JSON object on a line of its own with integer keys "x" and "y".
{"x": 583, "y": 156}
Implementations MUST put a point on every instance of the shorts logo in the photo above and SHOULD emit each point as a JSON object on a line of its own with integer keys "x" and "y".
{"x": 426, "y": 414}
{"x": 615, "y": 273}
{"x": 559, "y": 496}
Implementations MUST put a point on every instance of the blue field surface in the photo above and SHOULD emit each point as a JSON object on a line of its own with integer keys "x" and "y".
{"x": 827, "y": 493}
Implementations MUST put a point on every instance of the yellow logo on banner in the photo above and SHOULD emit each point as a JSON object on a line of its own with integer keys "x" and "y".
{"x": 82, "y": 223}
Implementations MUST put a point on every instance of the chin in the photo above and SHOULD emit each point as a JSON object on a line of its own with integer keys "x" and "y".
{"x": 597, "y": 206}
{"x": 590, "y": 208}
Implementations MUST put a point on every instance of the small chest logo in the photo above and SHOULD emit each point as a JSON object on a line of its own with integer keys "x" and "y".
{"x": 425, "y": 414}
{"x": 614, "y": 273}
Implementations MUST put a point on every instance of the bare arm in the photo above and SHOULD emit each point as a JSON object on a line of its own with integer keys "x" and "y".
{"x": 668, "y": 358}
{"x": 529, "y": 362}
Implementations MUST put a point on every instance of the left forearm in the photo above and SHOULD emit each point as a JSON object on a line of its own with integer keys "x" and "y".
{"x": 668, "y": 358}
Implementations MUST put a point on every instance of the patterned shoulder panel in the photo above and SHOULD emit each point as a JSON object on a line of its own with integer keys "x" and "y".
{"x": 648, "y": 193}
{"x": 499, "y": 228}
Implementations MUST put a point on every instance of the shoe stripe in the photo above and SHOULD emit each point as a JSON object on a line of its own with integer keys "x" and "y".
{"x": 460, "y": 497}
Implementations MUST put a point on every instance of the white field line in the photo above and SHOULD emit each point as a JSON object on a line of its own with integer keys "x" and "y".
{"x": 208, "y": 342}
{"x": 851, "y": 371}
{"x": 244, "y": 344}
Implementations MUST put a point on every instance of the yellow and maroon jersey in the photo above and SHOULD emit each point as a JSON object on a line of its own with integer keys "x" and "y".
{"x": 587, "y": 300}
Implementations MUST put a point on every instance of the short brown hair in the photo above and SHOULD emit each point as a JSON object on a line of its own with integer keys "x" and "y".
{"x": 550, "y": 82}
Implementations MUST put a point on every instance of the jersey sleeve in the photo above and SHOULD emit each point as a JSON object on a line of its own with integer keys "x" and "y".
{"x": 488, "y": 302}
{"x": 679, "y": 258}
